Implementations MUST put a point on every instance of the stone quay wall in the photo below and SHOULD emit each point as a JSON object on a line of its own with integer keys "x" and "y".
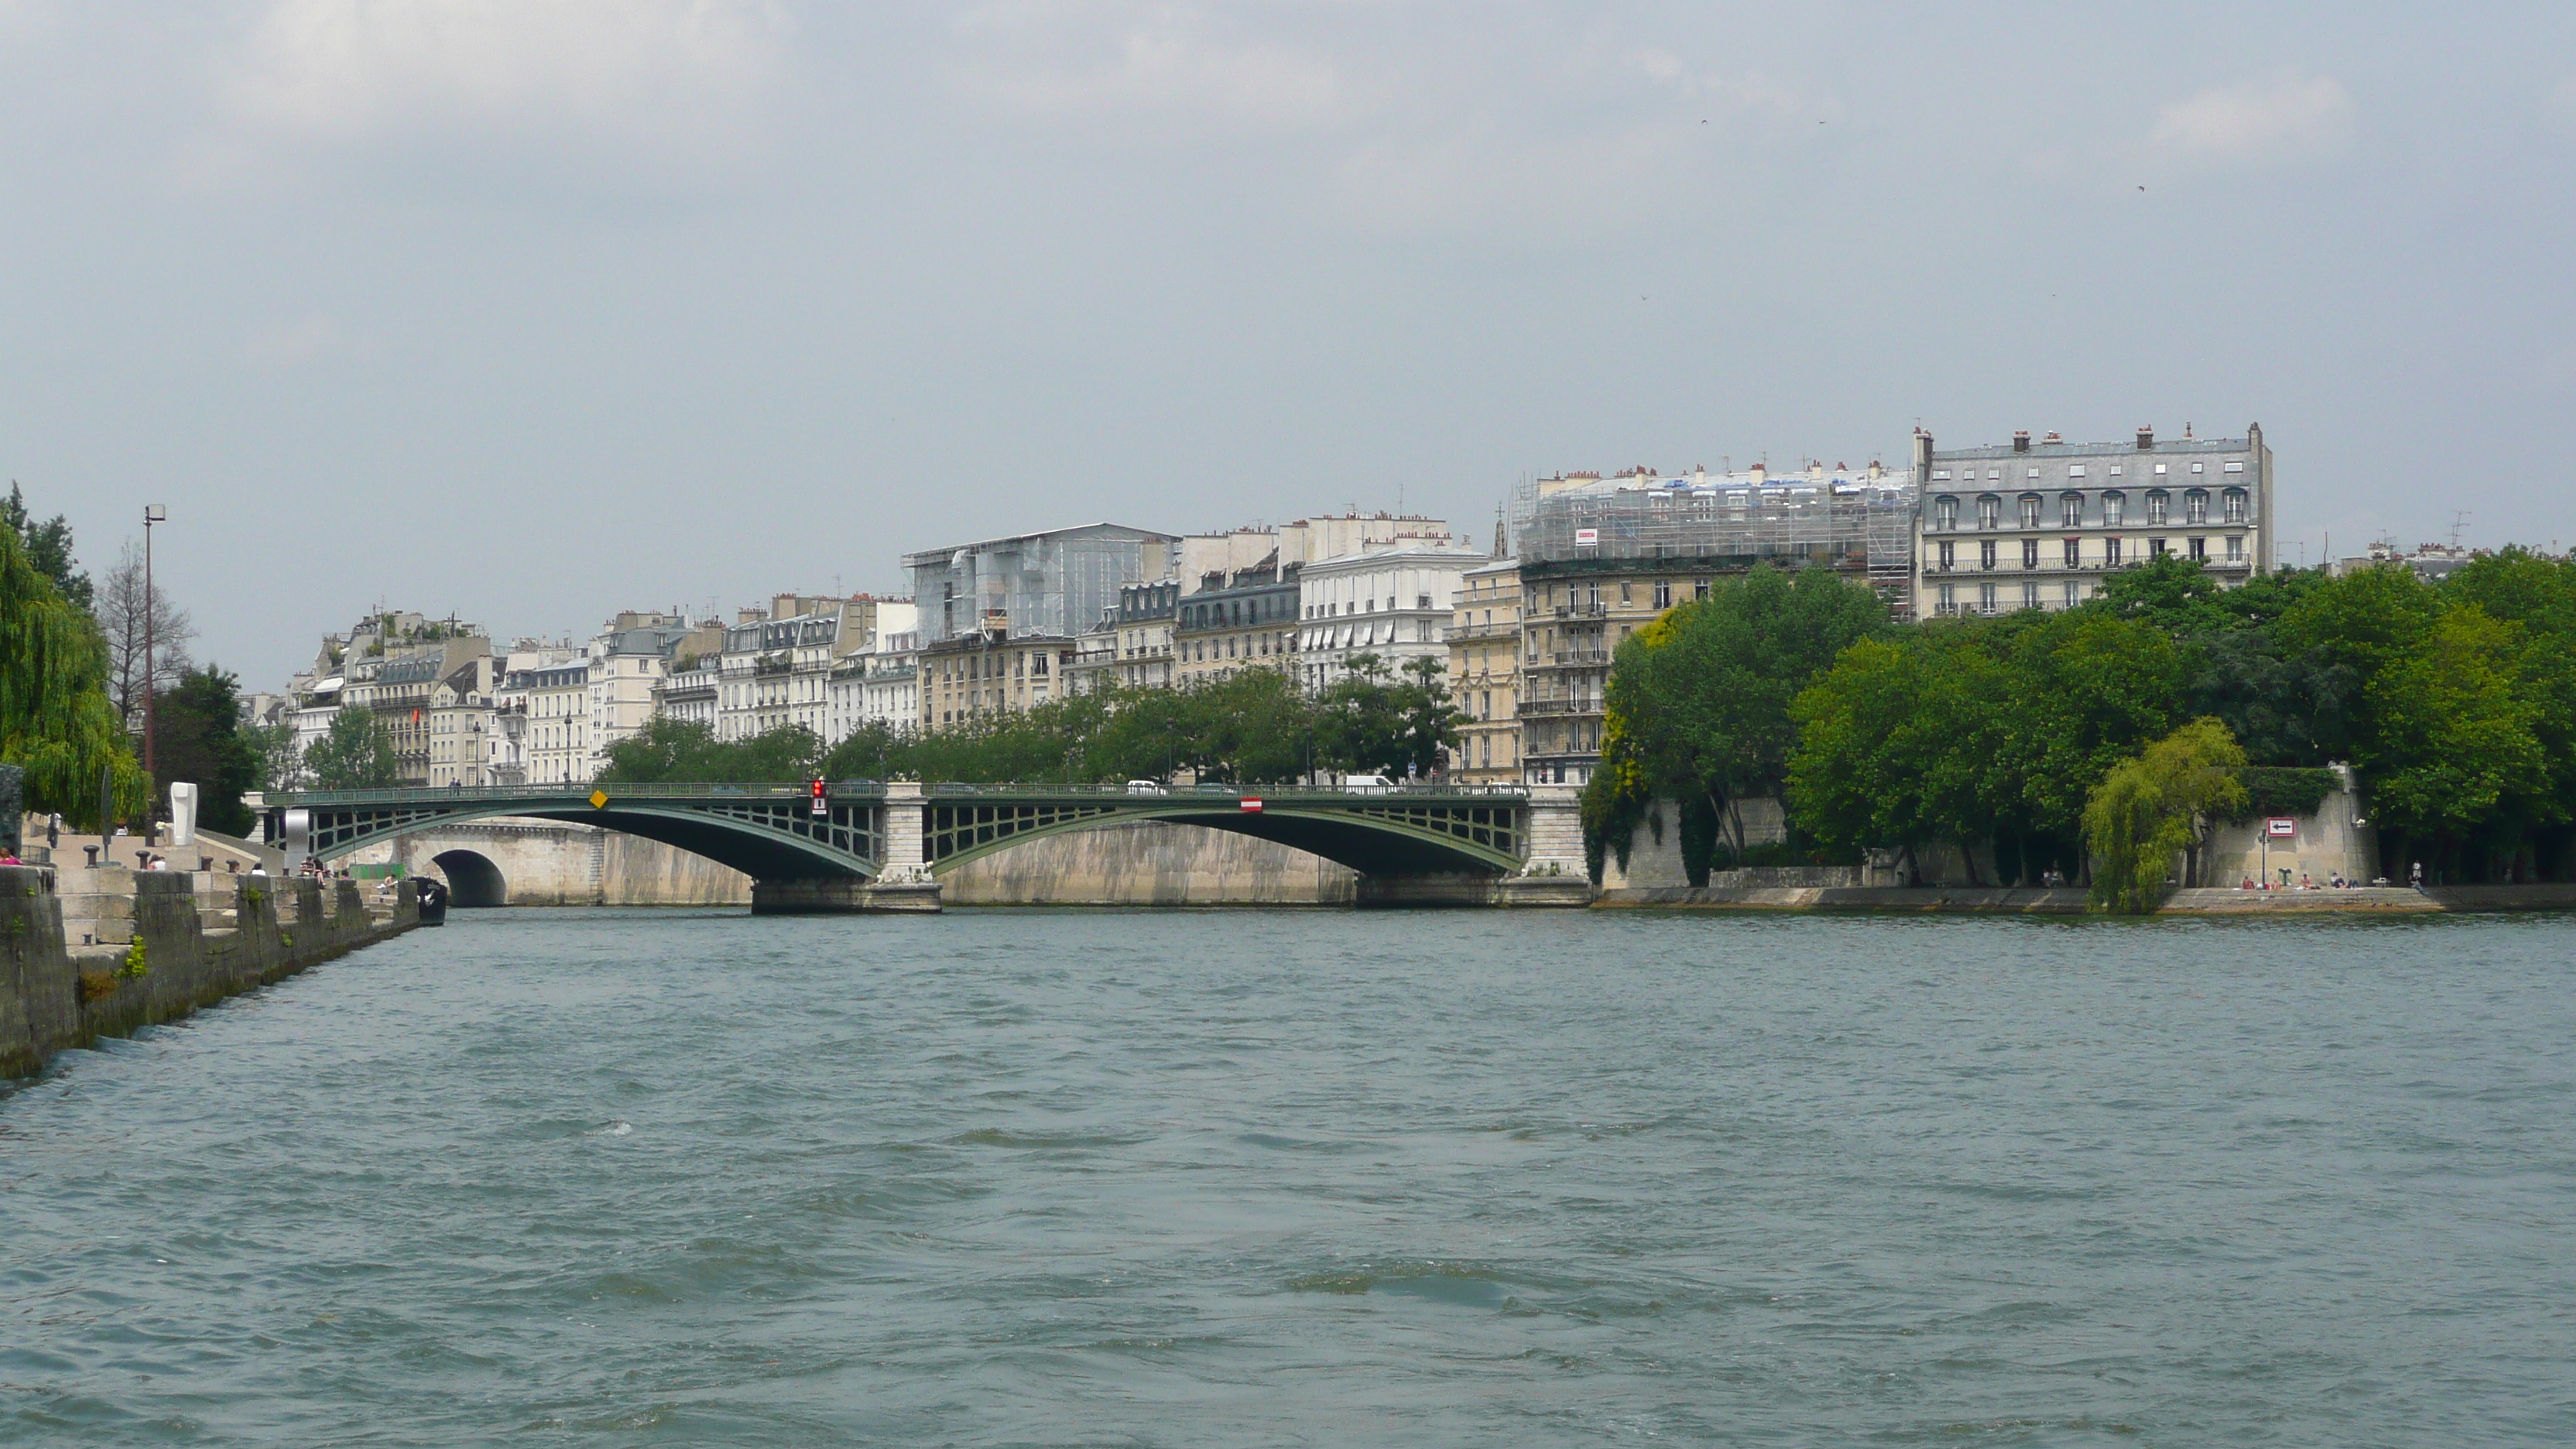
{"x": 55, "y": 996}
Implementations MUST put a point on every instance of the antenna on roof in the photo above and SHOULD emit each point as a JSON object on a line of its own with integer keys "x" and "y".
{"x": 2458, "y": 517}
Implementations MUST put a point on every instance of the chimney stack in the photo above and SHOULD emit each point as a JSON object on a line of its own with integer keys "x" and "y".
{"x": 2021, "y": 441}
{"x": 2146, "y": 440}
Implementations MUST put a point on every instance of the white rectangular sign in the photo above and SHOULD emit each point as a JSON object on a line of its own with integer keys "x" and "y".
{"x": 2280, "y": 827}
{"x": 1587, "y": 537}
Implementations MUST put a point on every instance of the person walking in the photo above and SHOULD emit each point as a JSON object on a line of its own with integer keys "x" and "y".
{"x": 54, "y": 831}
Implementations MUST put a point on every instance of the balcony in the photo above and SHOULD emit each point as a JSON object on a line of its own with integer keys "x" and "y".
{"x": 1534, "y": 708}
{"x": 1500, "y": 629}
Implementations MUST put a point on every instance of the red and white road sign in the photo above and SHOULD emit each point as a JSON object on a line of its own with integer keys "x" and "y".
{"x": 1252, "y": 803}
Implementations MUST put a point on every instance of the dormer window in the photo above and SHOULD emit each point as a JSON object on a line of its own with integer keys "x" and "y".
{"x": 2114, "y": 503}
{"x": 2156, "y": 501}
{"x": 2030, "y": 510}
{"x": 1990, "y": 511}
{"x": 2070, "y": 510}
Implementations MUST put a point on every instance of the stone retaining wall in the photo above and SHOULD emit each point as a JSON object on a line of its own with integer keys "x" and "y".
{"x": 54, "y": 997}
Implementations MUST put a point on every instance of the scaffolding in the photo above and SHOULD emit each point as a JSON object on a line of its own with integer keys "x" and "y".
{"x": 1862, "y": 521}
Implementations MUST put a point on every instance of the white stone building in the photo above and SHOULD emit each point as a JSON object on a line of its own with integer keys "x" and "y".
{"x": 1395, "y": 603}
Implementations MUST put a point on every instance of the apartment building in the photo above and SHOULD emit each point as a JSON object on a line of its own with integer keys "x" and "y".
{"x": 1393, "y": 603}
{"x": 1245, "y": 619}
{"x": 1145, "y": 621}
{"x": 1049, "y": 584}
{"x": 2036, "y": 525}
{"x": 1485, "y": 674}
{"x": 1601, "y": 557}
{"x": 972, "y": 676}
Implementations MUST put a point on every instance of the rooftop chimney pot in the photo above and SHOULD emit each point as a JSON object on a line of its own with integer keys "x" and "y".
{"x": 2021, "y": 441}
{"x": 2146, "y": 440}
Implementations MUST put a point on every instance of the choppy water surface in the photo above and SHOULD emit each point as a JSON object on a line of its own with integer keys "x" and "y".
{"x": 1318, "y": 1178}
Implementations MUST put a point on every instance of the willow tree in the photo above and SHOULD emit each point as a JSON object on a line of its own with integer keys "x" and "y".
{"x": 2148, "y": 810}
{"x": 55, "y": 720}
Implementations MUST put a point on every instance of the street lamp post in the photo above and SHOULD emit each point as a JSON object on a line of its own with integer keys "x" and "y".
{"x": 152, "y": 513}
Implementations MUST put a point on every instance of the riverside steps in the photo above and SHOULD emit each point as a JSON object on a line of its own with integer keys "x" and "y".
{"x": 884, "y": 846}
{"x": 200, "y": 940}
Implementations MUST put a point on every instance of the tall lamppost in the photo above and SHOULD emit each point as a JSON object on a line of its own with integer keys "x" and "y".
{"x": 152, "y": 513}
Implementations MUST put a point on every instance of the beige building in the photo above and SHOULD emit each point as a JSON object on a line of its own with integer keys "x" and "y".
{"x": 976, "y": 675}
{"x": 557, "y": 746}
{"x": 1485, "y": 674}
{"x": 462, "y": 726}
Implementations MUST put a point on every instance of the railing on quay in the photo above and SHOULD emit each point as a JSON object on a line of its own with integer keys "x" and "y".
{"x": 951, "y": 789}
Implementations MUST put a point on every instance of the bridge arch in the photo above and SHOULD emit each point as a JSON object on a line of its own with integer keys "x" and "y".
{"x": 472, "y": 878}
{"x": 767, "y": 832}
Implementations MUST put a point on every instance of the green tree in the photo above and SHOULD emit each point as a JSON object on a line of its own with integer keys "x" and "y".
{"x": 2453, "y": 740}
{"x": 355, "y": 754}
{"x": 2143, "y": 812}
{"x": 48, "y": 545}
{"x": 668, "y": 751}
{"x": 198, "y": 738}
{"x": 55, "y": 720}
{"x": 1700, "y": 699}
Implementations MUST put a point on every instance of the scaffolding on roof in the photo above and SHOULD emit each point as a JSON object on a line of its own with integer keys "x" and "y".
{"x": 1856, "y": 521}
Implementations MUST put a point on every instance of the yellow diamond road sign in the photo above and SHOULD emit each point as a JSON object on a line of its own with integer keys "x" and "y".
{"x": 598, "y": 799}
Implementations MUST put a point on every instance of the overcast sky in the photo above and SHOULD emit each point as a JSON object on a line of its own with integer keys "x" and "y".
{"x": 537, "y": 309}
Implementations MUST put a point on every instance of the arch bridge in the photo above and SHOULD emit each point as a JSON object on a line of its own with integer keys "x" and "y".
{"x": 872, "y": 845}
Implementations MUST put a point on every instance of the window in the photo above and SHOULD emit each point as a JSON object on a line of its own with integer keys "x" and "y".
{"x": 2074, "y": 593}
{"x": 2070, "y": 510}
{"x": 1940, "y": 475}
{"x": 1945, "y": 513}
{"x": 1663, "y": 593}
{"x": 2156, "y": 547}
{"x": 1985, "y": 598}
{"x": 1990, "y": 511}
{"x": 2114, "y": 503}
{"x": 1625, "y": 596}
{"x": 2235, "y": 467}
{"x": 2030, "y": 596}
{"x": 2030, "y": 553}
{"x": 1986, "y": 554}
{"x": 1699, "y": 587}
{"x": 2074, "y": 553}
{"x": 2199, "y": 549}
{"x": 2199, "y": 467}
{"x": 1949, "y": 599}
{"x": 2156, "y": 500}
{"x": 2195, "y": 506}
{"x": 2030, "y": 510}
{"x": 2110, "y": 553}
{"x": 1948, "y": 559}
{"x": 2235, "y": 549}
{"x": 2235, "y": 505}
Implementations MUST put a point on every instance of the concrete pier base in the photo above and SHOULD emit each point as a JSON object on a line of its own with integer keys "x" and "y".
{"x": 850, "y": 896}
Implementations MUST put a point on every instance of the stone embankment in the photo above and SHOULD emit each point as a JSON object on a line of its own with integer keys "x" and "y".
{"x": 2384, "y": 900}
{"x": 196, "y": 947}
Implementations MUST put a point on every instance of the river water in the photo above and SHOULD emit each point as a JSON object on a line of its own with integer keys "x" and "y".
{"x": 1315, "y": 1177}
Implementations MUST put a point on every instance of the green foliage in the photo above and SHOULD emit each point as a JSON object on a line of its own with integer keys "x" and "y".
{"x": 2146, "y": 811}
{"x": 49, "y": 548}
{"x": 354, "y": 755}
{"x": 2284, "y": 790}
{"x": 199, "y": 739}
{"x": 668, "y": 751}
{"x": 134, "y": 968}
{"x": 1699, "y": 703}
{"x": 55, "y": 719}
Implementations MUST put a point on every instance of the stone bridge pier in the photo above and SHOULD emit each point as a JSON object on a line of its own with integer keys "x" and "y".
{"x": 905, "y": 885}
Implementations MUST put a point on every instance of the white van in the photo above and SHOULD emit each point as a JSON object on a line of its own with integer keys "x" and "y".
{"x": 1146, "y": 787}
{"x": 1367, "y": 784}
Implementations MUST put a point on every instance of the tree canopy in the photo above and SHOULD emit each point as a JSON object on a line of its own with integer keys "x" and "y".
{"x": 356, "y": 754}
{"x": 55, "y": 719}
